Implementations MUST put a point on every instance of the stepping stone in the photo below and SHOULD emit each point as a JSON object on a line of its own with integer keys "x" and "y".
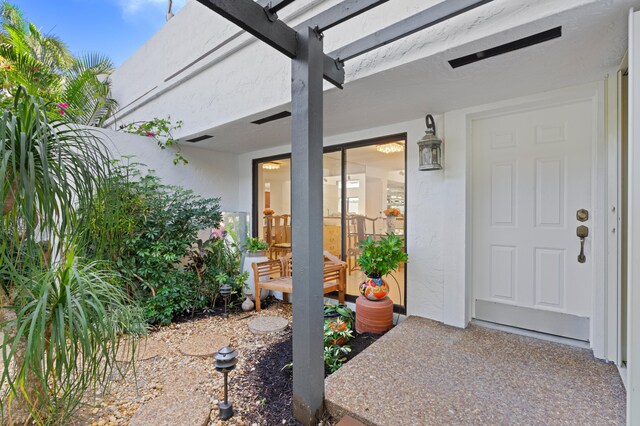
{"x": 145, "y": 349}
{"x": 268, "y": 324}
{"x": 174, "y": 408}
{"x": 203, "y": 345}
{"x": 181, "y": 379}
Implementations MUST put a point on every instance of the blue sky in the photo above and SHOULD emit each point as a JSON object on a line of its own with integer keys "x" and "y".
{"x": 113, "y": 27}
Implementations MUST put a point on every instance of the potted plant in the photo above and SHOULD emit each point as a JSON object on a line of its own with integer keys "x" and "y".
{"x": 379, "y": 258}
{"x": 255, "y": 251}
{"x": 392, "y": 215}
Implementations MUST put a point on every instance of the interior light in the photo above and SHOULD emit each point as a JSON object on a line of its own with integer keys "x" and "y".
{"x": 390, "y": 148}
{"x": 271, "y": 166}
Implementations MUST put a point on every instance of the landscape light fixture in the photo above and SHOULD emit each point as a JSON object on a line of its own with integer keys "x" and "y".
{"x": 271, "y": 166}
{"x": 430, "y": 147}
{"x": 225, "y": 361}
{"x": 390, "y": 148}
{"x": 225, "y": 292}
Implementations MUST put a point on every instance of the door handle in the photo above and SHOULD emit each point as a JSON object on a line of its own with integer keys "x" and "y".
{"x": 582, "y": 232}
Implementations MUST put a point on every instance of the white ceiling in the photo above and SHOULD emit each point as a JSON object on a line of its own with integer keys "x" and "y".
{"x": 593, "y": 43}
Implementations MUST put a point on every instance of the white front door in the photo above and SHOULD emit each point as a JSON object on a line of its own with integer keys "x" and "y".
{"x": 532, "y": 172}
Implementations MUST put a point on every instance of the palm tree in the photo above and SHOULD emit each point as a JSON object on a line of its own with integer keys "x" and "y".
{"x": 61, "y": 317}
{"x": 43, "y": 65}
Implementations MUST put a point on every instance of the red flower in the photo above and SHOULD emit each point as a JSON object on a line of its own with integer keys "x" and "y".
{"x": 151, "y": 134}
{"x": 8, "y": 67}
{"x": 62, "y": 107}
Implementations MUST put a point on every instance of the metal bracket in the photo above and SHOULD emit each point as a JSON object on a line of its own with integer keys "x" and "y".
{"x": 271, "y": 16}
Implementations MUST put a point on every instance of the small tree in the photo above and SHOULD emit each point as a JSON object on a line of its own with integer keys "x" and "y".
{"x": 61, "y": 317}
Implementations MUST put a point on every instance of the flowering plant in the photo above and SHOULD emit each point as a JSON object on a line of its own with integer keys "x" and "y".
{"x": 392, "y": 212}
{"x": 268, "y": 212}
{"x": 160, "y": 130}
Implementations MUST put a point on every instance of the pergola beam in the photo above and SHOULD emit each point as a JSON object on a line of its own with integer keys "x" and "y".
{"x": 277, "y": 5}
{"x": 258, "y": 21}
{"x": 340, "y": 13}
{"x": 420, "y": 21}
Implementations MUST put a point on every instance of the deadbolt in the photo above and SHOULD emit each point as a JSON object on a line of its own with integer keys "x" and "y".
{"x": 582, "y": 232}
{"x": 582, "y": 215}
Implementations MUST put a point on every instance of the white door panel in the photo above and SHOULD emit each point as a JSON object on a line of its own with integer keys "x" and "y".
{"x": 532, "y": 172}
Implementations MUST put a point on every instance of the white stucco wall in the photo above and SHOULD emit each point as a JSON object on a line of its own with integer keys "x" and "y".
{"x": 209, "y": 173}
{"x": 245, "y": 77}
{"x": 427, "y": 244}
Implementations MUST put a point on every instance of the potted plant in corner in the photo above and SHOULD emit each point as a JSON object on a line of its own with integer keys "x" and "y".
{"x": 374, "y": 310}
{"x": 379, "y": 258}
{"x": 255, "y": 251}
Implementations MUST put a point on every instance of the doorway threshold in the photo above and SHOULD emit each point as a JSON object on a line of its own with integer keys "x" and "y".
{"x": 528, "y": 333}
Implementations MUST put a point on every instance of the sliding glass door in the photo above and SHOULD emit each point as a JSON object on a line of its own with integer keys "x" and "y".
{"x": 361, "y": 181}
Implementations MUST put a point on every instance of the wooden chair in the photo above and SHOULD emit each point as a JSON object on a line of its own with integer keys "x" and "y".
{"x": 278, "y": 274}
{"x": 278, "y": 235}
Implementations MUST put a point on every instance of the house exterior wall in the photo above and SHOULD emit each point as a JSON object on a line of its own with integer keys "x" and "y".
{"x": 425, "y": 231}
{"x": 158, "y": 79}
{"x": 439, "y": 209}
{"x": 208, "y": 173}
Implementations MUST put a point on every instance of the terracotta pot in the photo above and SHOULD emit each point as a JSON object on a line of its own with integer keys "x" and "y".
{"x": 374, "y": 317}
{"x": 374, "y": 288}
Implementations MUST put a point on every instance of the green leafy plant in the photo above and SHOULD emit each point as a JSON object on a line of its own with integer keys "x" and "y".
{"x": 161, "y": 130}
{"x": 65, "y": 336}
{"x": 341, "y": 311}
{"x": 149, "y": 231}
{"x": 177, "y": 295}
{"x": 335, "y": 356}
{"x": 254, "y": 245}
{"x": 381, "y": 257}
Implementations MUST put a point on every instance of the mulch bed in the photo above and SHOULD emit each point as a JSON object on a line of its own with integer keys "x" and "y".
{"x": 272, "y": 378}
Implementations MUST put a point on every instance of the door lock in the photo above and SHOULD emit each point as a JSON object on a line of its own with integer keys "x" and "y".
{"x": 582, "y": 232}
{"x": 582, "y": 215}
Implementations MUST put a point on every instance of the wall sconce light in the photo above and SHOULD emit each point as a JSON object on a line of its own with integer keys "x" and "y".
{"x": 430, "y": 147}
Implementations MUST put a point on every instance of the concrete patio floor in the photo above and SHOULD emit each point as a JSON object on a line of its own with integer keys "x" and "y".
{"x": 425, "y": 373}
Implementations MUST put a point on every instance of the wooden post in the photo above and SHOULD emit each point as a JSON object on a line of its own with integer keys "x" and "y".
{"x": 306, "y": 190}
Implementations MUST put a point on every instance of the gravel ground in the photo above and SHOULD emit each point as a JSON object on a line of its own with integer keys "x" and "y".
{"x": 260, "y": 388}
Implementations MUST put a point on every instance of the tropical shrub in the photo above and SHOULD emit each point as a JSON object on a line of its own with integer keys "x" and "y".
{"x": 149, "y": 231}
{"x": 69, "y": 319}
{"x": 177, "y": 294}
{"x": 216, "y": 261}
{"x": 61, "y": 317}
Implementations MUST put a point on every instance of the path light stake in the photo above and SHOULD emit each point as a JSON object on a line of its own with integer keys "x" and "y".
{"x": 226, "y": 360}
{"x": 225, "y": 292}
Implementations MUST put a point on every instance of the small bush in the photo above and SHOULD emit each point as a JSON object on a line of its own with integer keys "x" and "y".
{"x": 149, "y": 231}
